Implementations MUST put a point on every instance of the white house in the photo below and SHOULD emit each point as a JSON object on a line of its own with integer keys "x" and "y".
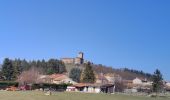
{"x": 168, "y": 84}
{"x": 137, "y": 81}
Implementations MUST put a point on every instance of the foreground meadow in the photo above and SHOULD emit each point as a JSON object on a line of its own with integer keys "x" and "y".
{"x": 33, "y": 95}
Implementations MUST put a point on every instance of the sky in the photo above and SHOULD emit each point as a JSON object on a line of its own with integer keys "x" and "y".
{"x": 118, "y": 33}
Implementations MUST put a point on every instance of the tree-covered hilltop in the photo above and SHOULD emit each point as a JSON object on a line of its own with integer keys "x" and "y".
{"x": 125, "y": 73}
{"x": 11, "y": 69}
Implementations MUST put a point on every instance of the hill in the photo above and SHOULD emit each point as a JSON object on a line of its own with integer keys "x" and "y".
{"x": 57, "y": 66}
{"x": 125, "y": 73}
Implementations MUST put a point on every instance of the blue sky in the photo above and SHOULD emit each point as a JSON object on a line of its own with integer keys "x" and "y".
{"x": 117, "y": 33}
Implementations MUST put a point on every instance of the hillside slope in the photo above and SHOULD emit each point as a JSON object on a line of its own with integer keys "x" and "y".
{"x": 125, "y": 73}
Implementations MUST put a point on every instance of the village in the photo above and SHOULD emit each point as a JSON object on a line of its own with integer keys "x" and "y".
{"x": 84, "y": 50}
{"x": 104, "y": 83}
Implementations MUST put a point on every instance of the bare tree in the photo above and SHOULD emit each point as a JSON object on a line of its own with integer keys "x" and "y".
{"x": 119, "y": 86}
{"x": 29, "y": 77}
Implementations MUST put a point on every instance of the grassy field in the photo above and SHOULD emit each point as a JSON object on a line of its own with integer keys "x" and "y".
{"x": 19, "y": 95}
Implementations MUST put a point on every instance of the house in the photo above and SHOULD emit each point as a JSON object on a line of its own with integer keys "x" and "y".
{"x": 44, "y": 79}
{"x": 168, "y": 84}
{"x": 92, "y": 88}
{"x": 56, "y": 79}
{"x": 143, "y": 82}
{"x": 87, "y": 87}
{"x": 137, "y": 81}
{"x": 137, "y": 85}
{"x": 61, "y": 78}
{"x": 107, "y": 88}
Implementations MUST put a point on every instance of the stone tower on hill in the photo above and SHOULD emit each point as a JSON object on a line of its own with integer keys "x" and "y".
{"x": 77, "y": 60}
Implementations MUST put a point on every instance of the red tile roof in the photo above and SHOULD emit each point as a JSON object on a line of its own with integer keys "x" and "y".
{"x": 58, "y": 76}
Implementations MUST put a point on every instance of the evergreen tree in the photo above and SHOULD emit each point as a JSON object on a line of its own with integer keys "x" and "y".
{"x": 33, "y": 63}
{"x": 17, "y": 67}
{"x": 75, "y": 74}
{"x": 55, "y": 66}
{"x": 44, "y": 66}
{"x": 7, "y": 69}
{"x": 88, "y": 74}
{"x": 52, "y": 67}
{"x": 157, "y": 81}
{"x": 25, "y": 65}
{"x": 38, "y": 64}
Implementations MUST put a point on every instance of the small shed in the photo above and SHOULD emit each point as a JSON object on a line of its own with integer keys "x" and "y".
{"x": 107, "y": 88}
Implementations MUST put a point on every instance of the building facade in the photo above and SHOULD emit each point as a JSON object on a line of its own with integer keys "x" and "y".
{"x": 77, "y": 60}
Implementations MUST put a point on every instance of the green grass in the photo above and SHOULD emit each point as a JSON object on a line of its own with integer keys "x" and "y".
{"x": 33, "y": 95}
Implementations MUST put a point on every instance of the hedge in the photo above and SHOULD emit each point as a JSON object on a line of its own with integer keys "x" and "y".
{"x": 5, "y": 84}
{"x": 50, "y": 86}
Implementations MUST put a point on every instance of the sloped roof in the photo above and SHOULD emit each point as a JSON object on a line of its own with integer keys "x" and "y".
{"x": 58, "y": 76}
{"x": 91, "y": 84}
{"x": 80, "y": 85}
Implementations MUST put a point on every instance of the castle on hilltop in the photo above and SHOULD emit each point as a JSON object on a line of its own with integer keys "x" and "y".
{"x": 77, "y": 60}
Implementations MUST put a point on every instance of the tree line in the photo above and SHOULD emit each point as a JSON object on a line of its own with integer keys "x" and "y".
{"x": 11, "y": 69}
{"x": 17, "y": 69}
{"x": 148, "y": 75}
